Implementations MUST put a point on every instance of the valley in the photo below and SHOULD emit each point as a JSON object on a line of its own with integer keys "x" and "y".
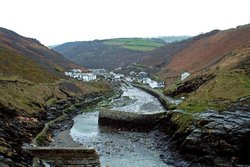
{"x": 54, "y": 96}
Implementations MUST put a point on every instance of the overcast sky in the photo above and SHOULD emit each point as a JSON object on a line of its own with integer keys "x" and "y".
{"x": 59, "y": 21}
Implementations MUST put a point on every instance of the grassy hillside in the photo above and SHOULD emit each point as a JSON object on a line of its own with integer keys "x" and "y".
{"x": 32, "y": 76}
{"x": 33, "y": 49}
{"x": 15, "y": 66}
{"x": 110, "y": 53}
{"x": 231, "y": 82}
{"x": 138, "y": 44}
{"x": 97, "y": 54}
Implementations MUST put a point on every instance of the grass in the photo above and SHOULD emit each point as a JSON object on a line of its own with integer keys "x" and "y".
{"x": 225, "y": 88}
{"x": 183, "y": 120}
{"x": 138, "y": 44}
{"x": 13, "y": 64}
{"x": 30, "y": 97}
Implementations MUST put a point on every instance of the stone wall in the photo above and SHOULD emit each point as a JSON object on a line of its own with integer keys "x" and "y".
{"x": 129, "y": 120}
{"x": 66, "y": 156}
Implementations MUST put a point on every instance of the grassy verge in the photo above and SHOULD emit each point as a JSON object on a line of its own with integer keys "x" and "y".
{"x": 218, "y": 93}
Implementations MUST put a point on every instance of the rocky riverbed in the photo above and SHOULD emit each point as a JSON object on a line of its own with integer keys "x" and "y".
{"x": 116, "y": 147}
{"x": 211, "y": 139}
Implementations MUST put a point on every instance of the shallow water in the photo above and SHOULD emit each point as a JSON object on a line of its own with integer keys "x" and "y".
{"x": 137, "y": 101}
{"x": 125, "y": 149}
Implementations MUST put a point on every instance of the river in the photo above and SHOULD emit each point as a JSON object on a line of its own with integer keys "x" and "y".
{"x": 126, "y": 149}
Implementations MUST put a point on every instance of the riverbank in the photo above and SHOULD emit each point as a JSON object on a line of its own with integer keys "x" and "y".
{"x": 210, "y": 138}
{"x": 18, "y": 128}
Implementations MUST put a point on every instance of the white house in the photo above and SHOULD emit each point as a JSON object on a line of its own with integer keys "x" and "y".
{"x": 88, "y": 76}
{"x": 70, "y": 74}
{"x": 146, "y": 80}
{"x": 184, "y": 75}
{"x": 153, "y": 84}
{"x": 118, "y": 77}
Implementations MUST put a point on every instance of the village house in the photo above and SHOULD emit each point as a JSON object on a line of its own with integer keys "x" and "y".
{"x": 185, "y": 75}
{"x": 118, "y": 77}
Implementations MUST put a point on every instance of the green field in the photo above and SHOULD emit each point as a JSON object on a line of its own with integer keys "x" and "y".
{"x": 139, "y": 44}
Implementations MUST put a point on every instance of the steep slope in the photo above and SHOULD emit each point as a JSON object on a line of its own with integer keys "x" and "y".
{"x": 162, "y": 56}
{"x": 219, "y": 65}
{"x": 96, "y": 54}
{"x": 31, "y": 79}
{"x": 31, "y": 74}
{"x": 212, "y": 123}
{"x": 31, "y": 48}
{"x": 207, "y": 51}
{"x": 220, "y": 85}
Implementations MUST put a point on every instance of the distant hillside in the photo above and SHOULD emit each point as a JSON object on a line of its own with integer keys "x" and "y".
{"x": 52, "y": 46}
{"x": 137, "y": 44}
{"x": 98, "y": 54}
{"x": 170, "y": 39}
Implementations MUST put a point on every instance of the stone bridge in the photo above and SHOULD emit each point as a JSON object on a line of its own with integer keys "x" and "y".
{"x": 66, "y": 156}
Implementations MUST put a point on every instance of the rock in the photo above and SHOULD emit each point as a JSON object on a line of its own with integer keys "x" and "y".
{"x": 8, "y": 161}
{"x": 190, "y": 85}
{"x": 217, "y": 138}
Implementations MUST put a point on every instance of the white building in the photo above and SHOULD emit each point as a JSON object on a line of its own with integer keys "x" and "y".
{"x": 118, "y": 77}
{"x": 184, "y": 75}
{"x": 74, "y": 73}
{"x": 146, "y": 80}
{"x": 153, "y": 84}
{"x": 88, "y": 76}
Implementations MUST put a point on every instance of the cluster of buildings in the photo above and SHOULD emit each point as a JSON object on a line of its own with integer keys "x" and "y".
{"x": 79, "y": 75}
{"x": 141, "y": 77}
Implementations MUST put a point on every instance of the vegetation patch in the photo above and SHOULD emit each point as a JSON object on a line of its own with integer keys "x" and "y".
{"x": 183, "y": 120}
{"x": 218, "y": 93}
{"x": 138, "y": 44}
